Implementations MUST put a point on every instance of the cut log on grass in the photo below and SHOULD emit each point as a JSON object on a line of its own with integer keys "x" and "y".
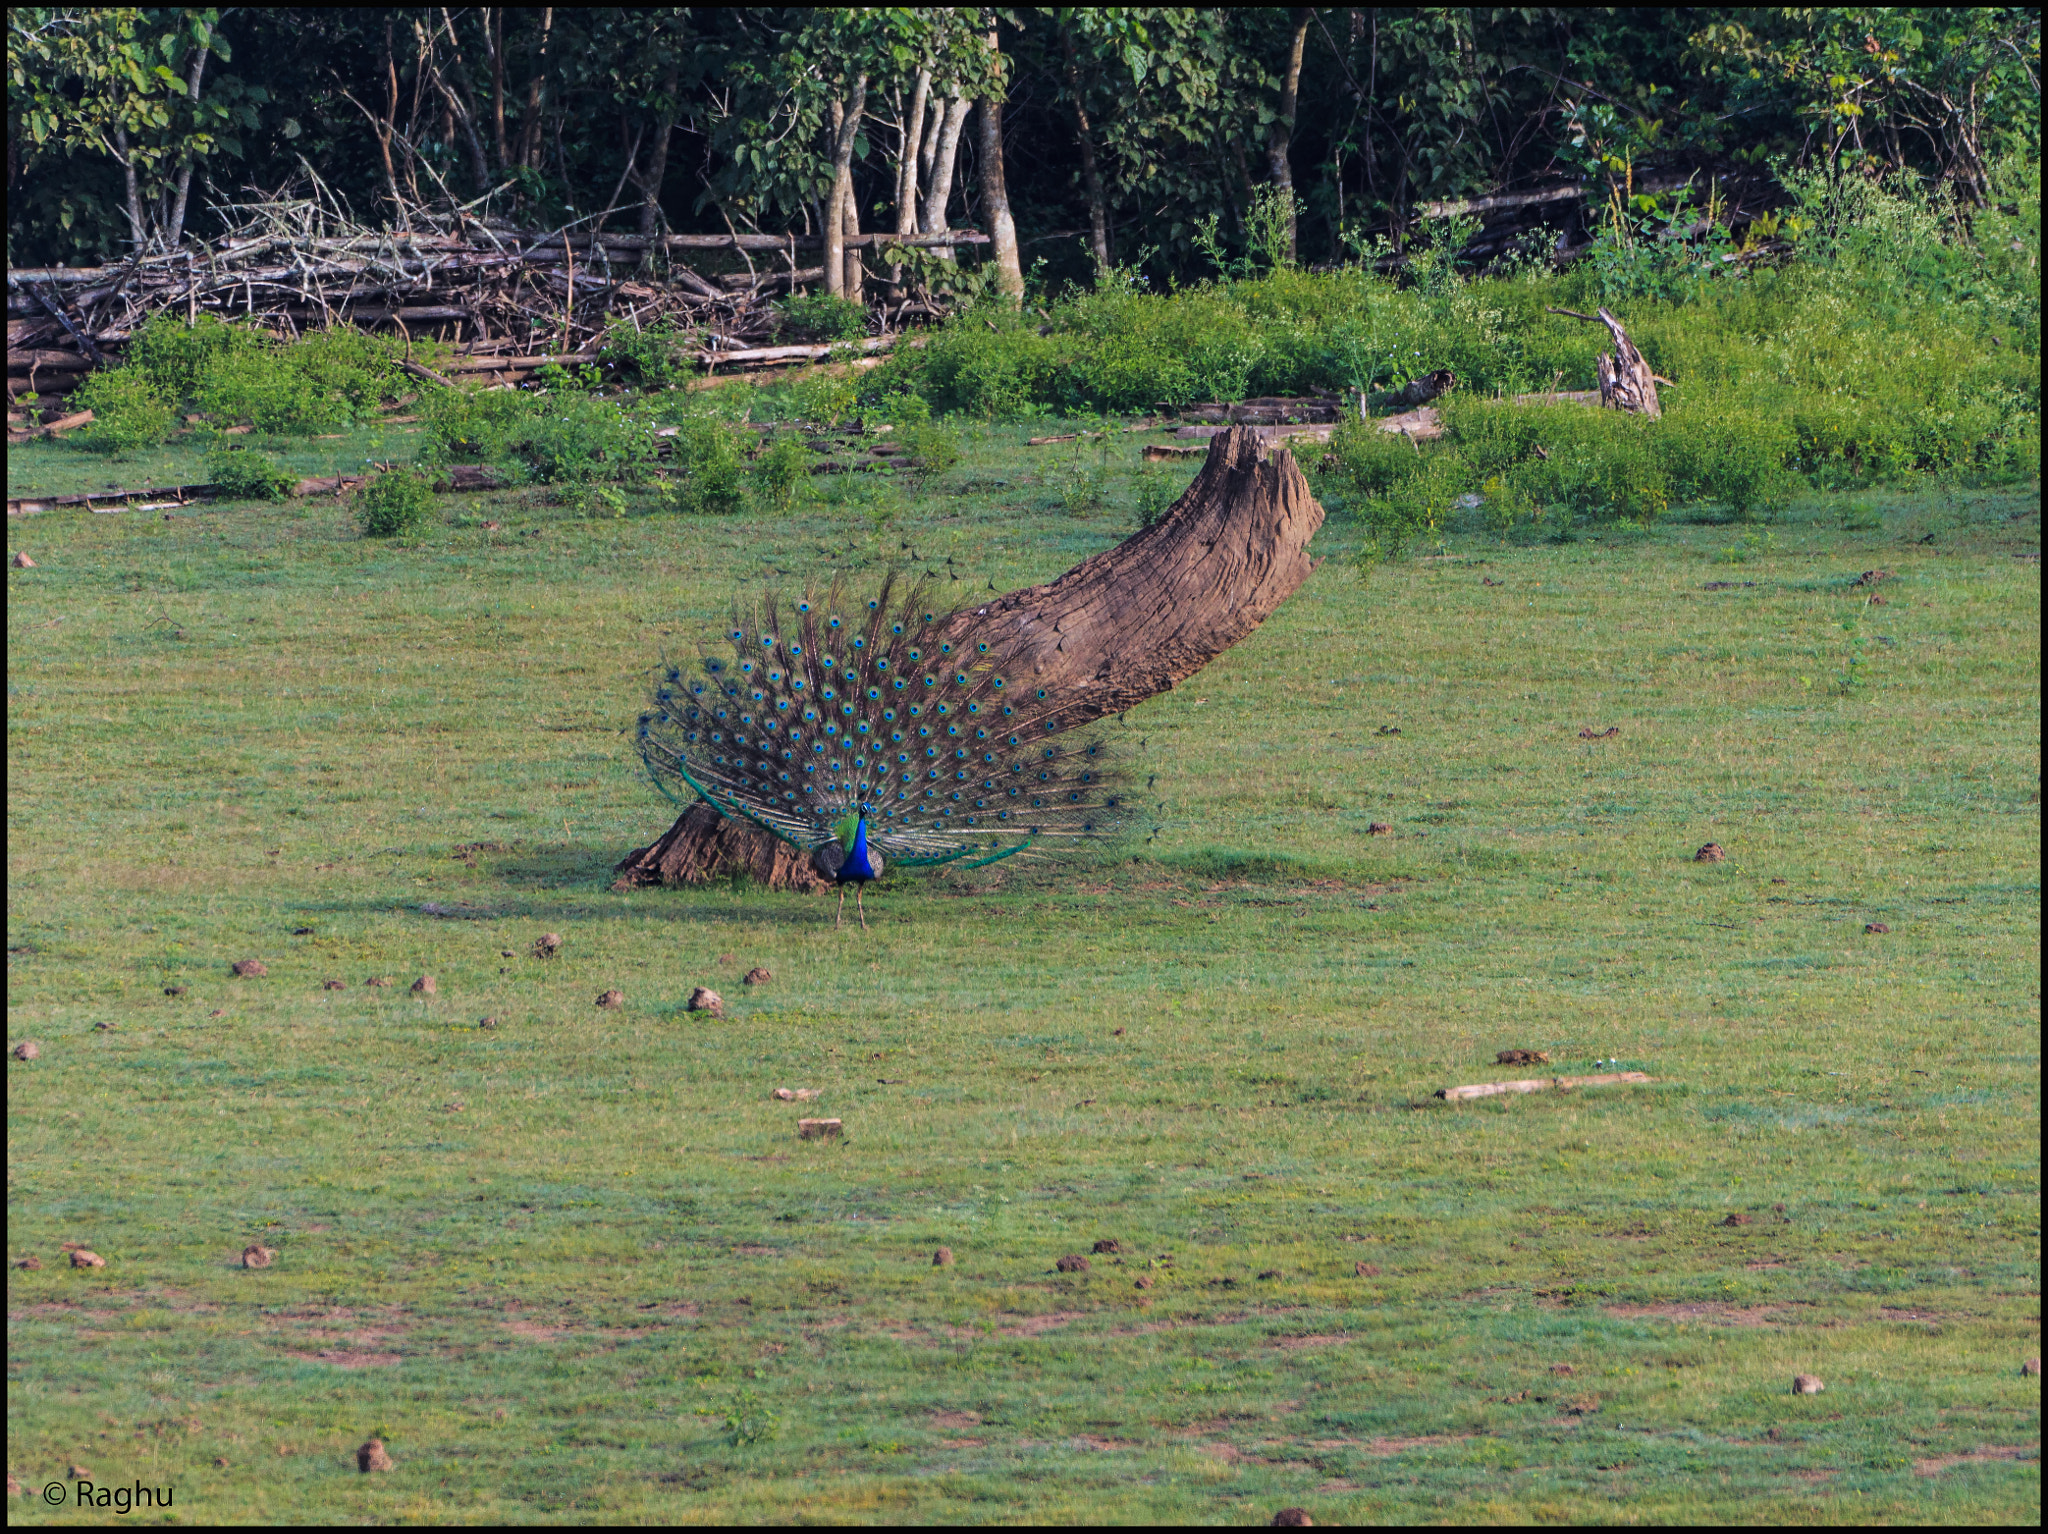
{"x": 1542, "y": 1084}
{"x": 1118, "y": 628}
{"x": 1626, "y": 382}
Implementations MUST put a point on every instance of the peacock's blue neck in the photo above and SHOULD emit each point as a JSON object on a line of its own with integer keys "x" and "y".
{"x": 858, "y": 864}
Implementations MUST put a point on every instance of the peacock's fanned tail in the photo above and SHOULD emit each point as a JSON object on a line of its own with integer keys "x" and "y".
{"x": 812, "y": 710}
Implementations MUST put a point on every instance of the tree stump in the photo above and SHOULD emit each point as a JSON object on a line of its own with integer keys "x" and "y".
{"x": 1113, "y": 631}
{"x": 1626, "y": 382}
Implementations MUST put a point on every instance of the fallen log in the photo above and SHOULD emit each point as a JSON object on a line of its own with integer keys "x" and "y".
{"x": 820, "y": 353}
{"x": 1542, "y": 1084}
{"x": 1118, "y": 628}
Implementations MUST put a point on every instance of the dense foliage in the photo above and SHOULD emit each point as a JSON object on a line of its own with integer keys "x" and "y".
{"x": 1166, "y": 140}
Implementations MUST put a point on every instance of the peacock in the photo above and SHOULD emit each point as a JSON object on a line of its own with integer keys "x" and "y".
{"x": 890, "y": 731}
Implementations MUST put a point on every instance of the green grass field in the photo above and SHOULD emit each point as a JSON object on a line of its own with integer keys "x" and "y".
{"x": 578, "y": 1266}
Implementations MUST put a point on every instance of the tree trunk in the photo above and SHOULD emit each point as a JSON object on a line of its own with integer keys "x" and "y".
{"x": 1091, "y": 173}
{"x": 939, "y": 183}
{"x": 907, "y": 166}
{"x": 995, "y": 206}
{"x": 845, "y": 128}
{"x": 1113, "y": 631}
{"x": 1282, "y": 139}
{"x": 176, "y": 232}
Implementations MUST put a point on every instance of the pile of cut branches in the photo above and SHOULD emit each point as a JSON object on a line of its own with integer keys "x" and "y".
{"x": 524, "y": 296}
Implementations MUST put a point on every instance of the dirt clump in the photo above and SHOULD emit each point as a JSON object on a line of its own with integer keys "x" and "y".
{"x": 547, "y": 945}
{"x": 758, "y": 976}
{"x": 1711, "y": 853}
{"x": 332, "y": 985}
{"x": 175, "y": 990}
{"x": 1073, "y": 1262}
{"x": 1876, "y": 926}
{"x": 1109, "y": 1246}
{"x": 1806, "y": 1385}
{"x": 1521, "y": 1057}
{"x": 1738, "y": 1218}
{"x": 1366, "y": 1269}
{"x": 258, "y": 1256}
{"x": 424, "y": 986}
{"x": 943, "y": 1257}
{"x": 30, "y": 1264}
{"x": 612, "y": 999}
{"x": 371, "y": 1456}
{"x": 378, "y": 980}
{"x": 81, "y": 1257}
{"x": 704, "y": 999}
{"x": 1292, "y": 1518}
{"x": 1379, "y": 828}
{"x": 249, "y": 969}
{"x": 27, "y": 1049}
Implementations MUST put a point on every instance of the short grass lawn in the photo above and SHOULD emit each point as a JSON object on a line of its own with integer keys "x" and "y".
{"x": 577, "y": 1265}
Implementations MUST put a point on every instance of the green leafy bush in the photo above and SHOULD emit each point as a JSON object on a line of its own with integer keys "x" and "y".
{"x": 783, "y": 470}
{"x": 395, "y": 502}
{"x": 819, "y": 317}
{"x": 129, "y": 412}
{"x": 574, "y": 438}
{"x": 658, "y": 357}
{"x": 711, "y": 456}
{"x": 241, "y": 474}
{"x": 173, "y": 355}
{"x": 473, "y": 425}
{"x": 931, "y": 448}
{"x": 822, "y": 398}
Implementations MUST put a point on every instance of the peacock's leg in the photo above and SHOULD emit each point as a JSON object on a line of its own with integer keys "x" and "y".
{"x": 863, "y": 910}
{"x": 839, "y": 919}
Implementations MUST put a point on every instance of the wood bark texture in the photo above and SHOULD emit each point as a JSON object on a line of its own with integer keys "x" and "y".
{"x": 1113, "y": 631}
{"x": 1626, "y": 382}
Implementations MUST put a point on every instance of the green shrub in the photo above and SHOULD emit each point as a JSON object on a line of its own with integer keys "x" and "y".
{"x": 823, "y": 399}
{"x": 473, "y": 425}
{"x": 659, "y": 357}
{"x": 783, "y": 470}
{"x": 395, "y": 502}
{"x": 245, "y": 388}
{"x": 241, "y": 474}
{"x": 570, "y": 438}
{"x": 931, "y": 449}
{"x": 819, "y": 317}
{"x": 174, "y": 354}
{"x": 711, "y": 457}
{"x": 129, "y": 412}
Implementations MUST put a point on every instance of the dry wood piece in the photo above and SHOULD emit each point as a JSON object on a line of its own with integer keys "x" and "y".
{"x": 1119, "y": 627}
{"x": 1423, "y": 425}
{"x": 818, "y": 1129}
{"x": 1626, "y": 382}
{"x": 1542, "y": 1084}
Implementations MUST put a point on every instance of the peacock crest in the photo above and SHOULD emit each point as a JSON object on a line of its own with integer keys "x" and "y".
{"x": 893, "y": 724}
